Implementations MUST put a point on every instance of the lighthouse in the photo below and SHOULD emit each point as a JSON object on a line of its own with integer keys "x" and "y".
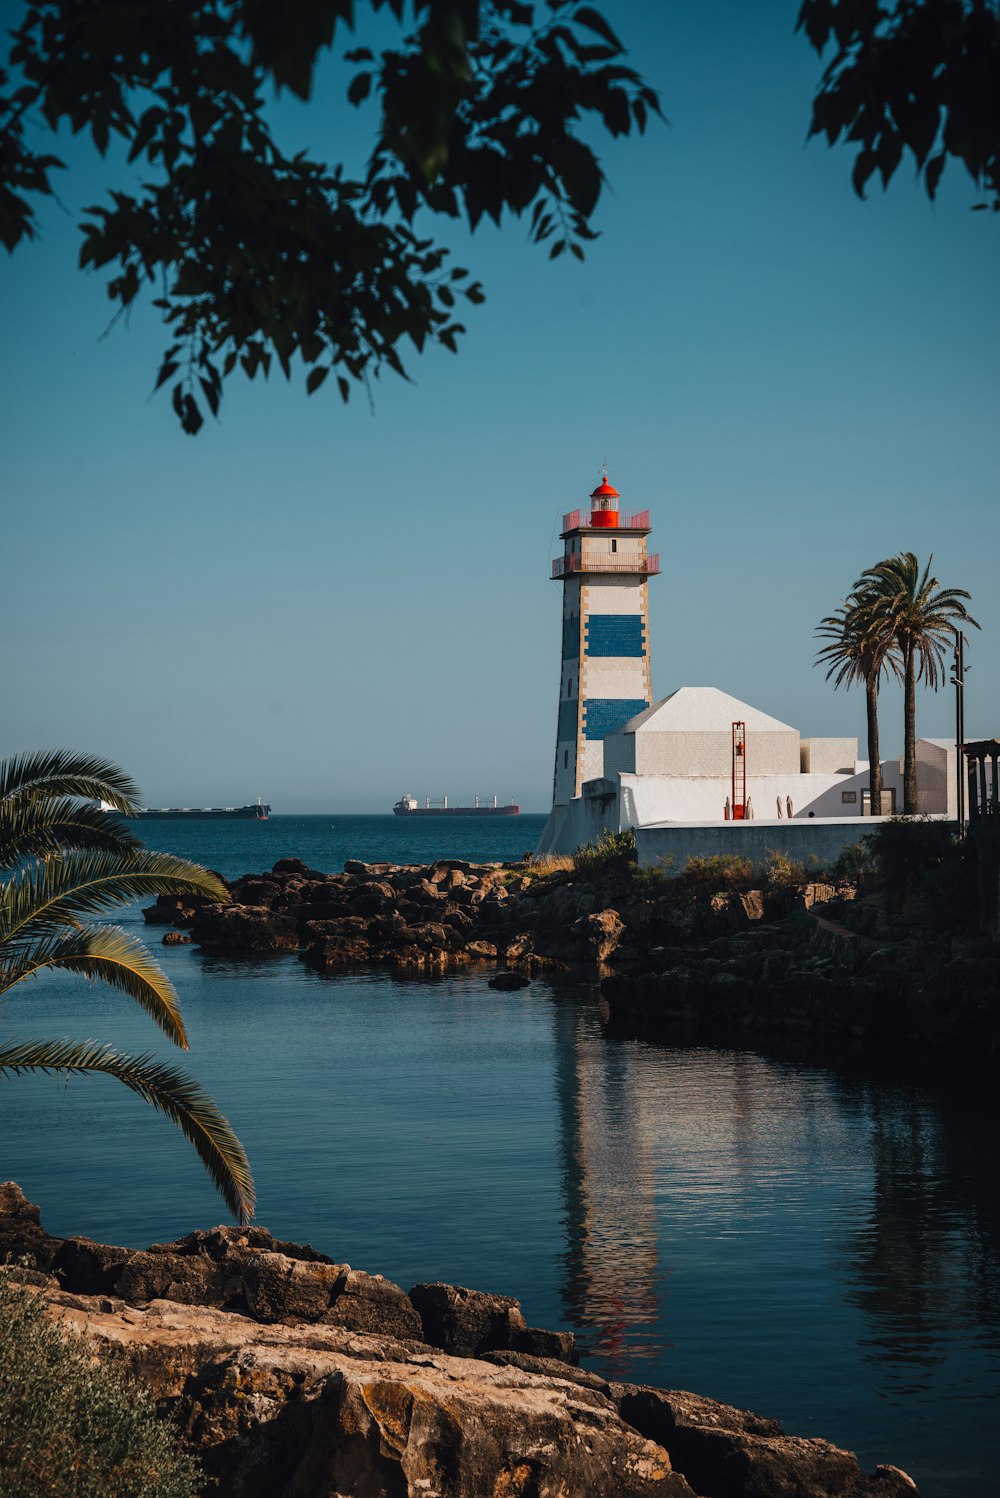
{"x": 605, "y": 673}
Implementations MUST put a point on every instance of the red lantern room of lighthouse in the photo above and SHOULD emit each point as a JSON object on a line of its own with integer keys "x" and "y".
{"x": 604, "y": 505}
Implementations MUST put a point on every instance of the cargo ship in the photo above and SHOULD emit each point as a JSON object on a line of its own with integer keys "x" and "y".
{"x": 409, "y": 806}
{"x": 259, "y": 812}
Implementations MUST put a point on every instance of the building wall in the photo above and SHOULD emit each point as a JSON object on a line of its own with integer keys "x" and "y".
{"x": 936, "y": 786}
{"x": 647, "y": 799}
{"x": 712, "y": 753}
{"x": 828, "y": 756}
{"x": 624, "y": 596}
{"x": 669, "y": 848}
{"x": 619, "y": 754}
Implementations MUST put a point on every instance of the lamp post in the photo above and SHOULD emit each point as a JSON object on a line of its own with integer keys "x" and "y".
{"x": 958, "y": 682}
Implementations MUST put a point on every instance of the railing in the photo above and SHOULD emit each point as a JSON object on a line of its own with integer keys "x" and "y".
{"x": 576, "y": 519}
{"x": 561, "y": 566}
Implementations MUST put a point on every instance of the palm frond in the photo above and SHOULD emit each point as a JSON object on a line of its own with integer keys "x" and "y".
{"x": 78, "y": 884}
{"x": 64, "y": 772}
{"x": 859, "y": 644}
{"x": 921, "y": 616}
{"x": 169, "y": 1090}
{"x": 105, "y": 952}
{"x": 40, "y": 825}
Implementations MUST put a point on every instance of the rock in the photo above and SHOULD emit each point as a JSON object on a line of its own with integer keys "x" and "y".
{"x": 369, "y": 1303}
{"x": 277, "y": 1288}
{"x": 290, "y": 866}
{"x": 551, "y": 1367}
{"x": 294, "y": 1412}
{"x": 262, "y": 890}
{"x": 730, "y": 1453}
{"x": 751, "y": 905}
{"x": 815, "y": 894}
{"x": 484, "y": 951}
{"x": 369, "y": 870}
{"x": 177, "y": 910}
{"x": 466, "y": 1322}
{"x": 521, "y": 945}
{"x": 244, "y": 928}
{"x": 552, "y": 1346}
{"x": 304, "y": 1377}
{"x": 176, "y": 939}
{"x": 600, "y": 933}
{"x": 507, "y": 981}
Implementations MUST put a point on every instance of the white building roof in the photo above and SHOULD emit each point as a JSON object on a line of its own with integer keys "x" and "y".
{"x": 702, "y": 710}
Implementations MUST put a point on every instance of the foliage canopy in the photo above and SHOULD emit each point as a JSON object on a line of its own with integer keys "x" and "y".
{"x": 911, "y": 75}
{"x": 257, "y": 255}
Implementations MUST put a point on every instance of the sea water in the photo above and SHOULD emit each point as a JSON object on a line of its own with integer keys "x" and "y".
{"x": 818, "y": 1246}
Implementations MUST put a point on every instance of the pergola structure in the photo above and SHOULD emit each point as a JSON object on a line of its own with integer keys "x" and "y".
{"x": 984, "y": 798}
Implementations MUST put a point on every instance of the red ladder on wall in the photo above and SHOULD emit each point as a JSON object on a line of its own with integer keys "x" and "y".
{"x": 739, "y": 771}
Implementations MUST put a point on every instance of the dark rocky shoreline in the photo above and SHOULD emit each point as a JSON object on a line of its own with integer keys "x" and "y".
{"x": 807, "y": 964}
{"x": 292, "y": 1376}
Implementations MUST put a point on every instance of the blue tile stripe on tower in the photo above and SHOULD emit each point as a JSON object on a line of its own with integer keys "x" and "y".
{"x": 614, "y": 634}
{"x": 569, "y": 709}
{"x": 571, "y": 637}
{"x": 604, "y": 715}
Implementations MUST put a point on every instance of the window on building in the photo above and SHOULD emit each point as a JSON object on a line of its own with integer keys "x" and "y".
{"x": 614, "y": 546}
{"x": 565, "y": 759}
{"x": 569, "y": 687}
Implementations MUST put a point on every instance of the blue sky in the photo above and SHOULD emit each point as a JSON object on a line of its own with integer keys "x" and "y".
{"x": 329, "y": 606}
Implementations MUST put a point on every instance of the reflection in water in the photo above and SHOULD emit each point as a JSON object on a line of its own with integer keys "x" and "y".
{"x": 924, "y": 1264}
{"x": 610, "y": 1193}
{"x": 831, "y": 1245}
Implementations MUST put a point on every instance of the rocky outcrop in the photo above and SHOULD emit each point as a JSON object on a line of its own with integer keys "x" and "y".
{"x": 422, "y": 918}
{"x": 292, "y": 1376}
{"x": 804, "y": 962}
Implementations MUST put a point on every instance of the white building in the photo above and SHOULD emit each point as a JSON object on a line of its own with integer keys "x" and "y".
{"x": 698, "y": 759}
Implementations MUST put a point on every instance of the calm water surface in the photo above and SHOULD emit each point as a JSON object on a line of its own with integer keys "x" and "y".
{"x": 818, "y": 1247}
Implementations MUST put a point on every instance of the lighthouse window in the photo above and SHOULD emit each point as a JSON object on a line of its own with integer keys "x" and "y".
{"x": 614, "y": 546}
{"x": 565, "y": 759}
{"x": 569, "y": 688}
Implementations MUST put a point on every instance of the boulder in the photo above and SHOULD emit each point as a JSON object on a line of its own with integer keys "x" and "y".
{"x": 507, "y": 981}
{"x": 600, "y": 934}
{"x": 292, "y": 1375}
{"x": 730, "y": 1453}
{"x": 466, "y": 1322}
{"x": 177, "y": 910}
{"x": 369, "y": 870}
{"x": 257, "y": 890}
{"x": 244, "y": 928}
{"x": 176, "y": 939}
{"x": 369, "y": 1303}
{"x": 283, "y": 1412}
{"x": 290, "y": 866}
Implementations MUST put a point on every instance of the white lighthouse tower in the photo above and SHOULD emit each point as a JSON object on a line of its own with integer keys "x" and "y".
{"x": 605, "y": 675}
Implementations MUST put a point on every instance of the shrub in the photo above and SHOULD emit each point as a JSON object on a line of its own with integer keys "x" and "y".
{"x": 720, "y": 870}
{"x": 906, "y": 849}
{"x": 70, "y": 1425}
{"x": 856, "y": 864}
{"x": 612, "y": 852}
{"x": 782, "y": 872}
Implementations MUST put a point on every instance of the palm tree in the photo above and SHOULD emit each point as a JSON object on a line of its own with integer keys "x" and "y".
{"x": 859, "y": 652}
{"x": 68, "y": 861}
{"x": 909, "y": 609}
